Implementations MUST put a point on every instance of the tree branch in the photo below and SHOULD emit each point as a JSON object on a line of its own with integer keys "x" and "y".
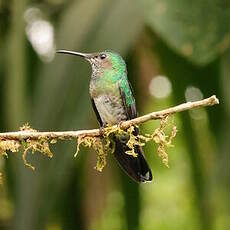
{"x": 34, "y": 135}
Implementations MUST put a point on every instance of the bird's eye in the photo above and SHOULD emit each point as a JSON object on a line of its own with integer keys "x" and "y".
{"x": 102, "y": 56}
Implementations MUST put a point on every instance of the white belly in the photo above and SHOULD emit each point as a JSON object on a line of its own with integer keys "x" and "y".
{"x": 110, "y": 109}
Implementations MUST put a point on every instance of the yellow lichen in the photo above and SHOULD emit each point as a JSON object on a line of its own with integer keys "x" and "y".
{"x": 132, "y": 142}
{"x": 103, "y": 145}
{"x": 41, "y": 145}
{"x": 85, "y": 141}
{"x": 53, "y": 141}
{"x": 100, "y": 145}
{"x": 162, "y": 140}
{"x": 26, "y": 127}
{"x": 9, "y": 145}
{"x": 101, "y": 154}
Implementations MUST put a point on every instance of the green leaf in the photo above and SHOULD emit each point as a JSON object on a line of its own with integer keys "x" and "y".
{"x": 196, "y": 29}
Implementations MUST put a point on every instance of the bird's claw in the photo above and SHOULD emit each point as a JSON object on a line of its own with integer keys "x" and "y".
{"x": 119, "y": 125}
{"x": 101, "y": 129}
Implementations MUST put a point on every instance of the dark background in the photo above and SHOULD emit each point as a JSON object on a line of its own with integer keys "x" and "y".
{"x": 176, "y": 51}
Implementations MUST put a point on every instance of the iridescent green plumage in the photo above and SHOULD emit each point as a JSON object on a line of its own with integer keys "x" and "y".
{"x": 119, "y": 74}
{"x": 113, "y": 102}
{"x": 114, "y": 72}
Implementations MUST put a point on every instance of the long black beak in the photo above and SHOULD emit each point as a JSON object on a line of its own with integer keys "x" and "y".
{"x": 84, "y": 55}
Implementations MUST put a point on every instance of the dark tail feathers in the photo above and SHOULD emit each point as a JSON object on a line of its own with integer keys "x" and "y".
{"x": 136, "y": 167}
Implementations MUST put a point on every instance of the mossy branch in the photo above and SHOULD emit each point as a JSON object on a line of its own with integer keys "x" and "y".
{"x": 67, "y": 135}
{"x": 30, "y": 139}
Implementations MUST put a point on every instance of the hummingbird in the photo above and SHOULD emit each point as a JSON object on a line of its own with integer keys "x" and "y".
{"x": 113, "y": 102}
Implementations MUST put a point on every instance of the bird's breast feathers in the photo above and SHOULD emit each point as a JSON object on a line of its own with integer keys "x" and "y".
{"x": 110, "y": 108}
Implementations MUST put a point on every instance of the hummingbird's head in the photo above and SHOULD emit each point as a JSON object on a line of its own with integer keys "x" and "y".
{"x": 106, "y": 60}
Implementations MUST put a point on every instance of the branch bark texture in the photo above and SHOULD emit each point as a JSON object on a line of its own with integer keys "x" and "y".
{"x": 67, "y": 135}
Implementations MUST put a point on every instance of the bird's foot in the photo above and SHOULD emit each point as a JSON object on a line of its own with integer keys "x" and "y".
{"x": 119, "y": 125}
{"x": 101, "y": 130}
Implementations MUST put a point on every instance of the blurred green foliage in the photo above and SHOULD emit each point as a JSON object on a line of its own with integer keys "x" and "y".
{"x": 188, "y": 42}
{"x": 198, "y": 29}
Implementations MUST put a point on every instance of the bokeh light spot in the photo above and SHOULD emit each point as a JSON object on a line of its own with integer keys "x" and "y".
{"x": 160, "y": 87}
{"x": 193, "y": 94}
{"x": 40, "y": 33}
